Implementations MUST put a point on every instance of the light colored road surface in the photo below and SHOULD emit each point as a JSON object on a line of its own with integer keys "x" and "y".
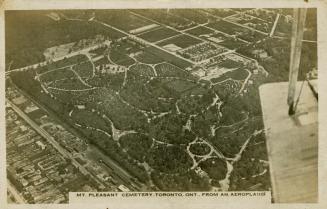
{"x": 292, "y": 143}
{"x": 15, "y": 193}
{"x": 83, "y": 51}
{"x": 142, "y": 40}
{"x": 274, "y": 26}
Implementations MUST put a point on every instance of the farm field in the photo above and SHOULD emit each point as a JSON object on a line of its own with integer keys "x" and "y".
{"x": 226, "y": 27}
{"x": 198, "y": 31}
{"x": 121, "y": 19}
{"x": 221, "y": 12}
{"x": 163, "y": 16}
{"x": 192, "y": 15}
{"x": 158, "y": 34}
{"x": 182, "y": 41}
{"x": 252, "y": 22}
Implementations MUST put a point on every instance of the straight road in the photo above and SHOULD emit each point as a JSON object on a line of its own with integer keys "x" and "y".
{"x": 82, "y": 51}
{"x": 142, "y": 40}
{"x": 121, "y": 172}
{"x": 52, "y": 141}
{"x": 182, "y": 32}
{"x": 15, "y": 193}
{"x": 274, "y": 26}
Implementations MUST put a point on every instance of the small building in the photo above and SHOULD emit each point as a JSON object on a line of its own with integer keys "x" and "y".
{"x": 41, "y": 145}
{"x": 80, "y": 107}
{"x": 123, "y": 188}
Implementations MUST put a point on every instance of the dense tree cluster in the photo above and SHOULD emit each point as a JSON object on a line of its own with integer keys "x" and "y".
{"x": 200, "y": 149}
{"x": 188, "y": 181}
{"x": 215, "y": 168}
{"x": 136, "y": 145}
{"x": 169, "y": 159}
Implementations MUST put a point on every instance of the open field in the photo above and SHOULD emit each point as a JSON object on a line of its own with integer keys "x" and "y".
{"x": 84, "y": 69}
{"x": 163, "y": 16}
{"x": 235, "y": 75}
{"x": 182, "y": 41}
{"x": 192, "y": 15}
{"x": 121, "y": 19}
{"x": 220, "y": 12}
{"x": 226, "y": 27}
{"x": 168, "y": 57}
{"x": 198, "y": 31}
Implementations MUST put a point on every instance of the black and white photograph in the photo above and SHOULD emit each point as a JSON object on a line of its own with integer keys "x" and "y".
{"x": 161, "y": 102}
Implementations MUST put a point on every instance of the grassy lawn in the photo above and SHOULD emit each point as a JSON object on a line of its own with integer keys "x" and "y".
{"x": 91, "y": 119}
{"x": 180, "y": 86}
{"x": 104, "y": 60}
{"x": 85, "y": 70}
{"x": 239, "y": 74}
{"x": 228, "y": 63}
{"x": 60, "y": 74}
{"x": 148, "y": 57}
{"x": 232, "y": 44}
{"x": 168, "y": 57}
{"x": 62, "y": 63}
{"x": 69, "y": 84}
{"x": 119, "y": 58}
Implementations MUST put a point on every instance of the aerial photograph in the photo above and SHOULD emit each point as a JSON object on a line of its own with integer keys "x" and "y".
{"x": 151, "y": 100}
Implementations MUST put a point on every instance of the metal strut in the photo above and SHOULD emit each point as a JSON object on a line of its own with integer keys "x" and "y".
{"x": 299, "y": 16}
